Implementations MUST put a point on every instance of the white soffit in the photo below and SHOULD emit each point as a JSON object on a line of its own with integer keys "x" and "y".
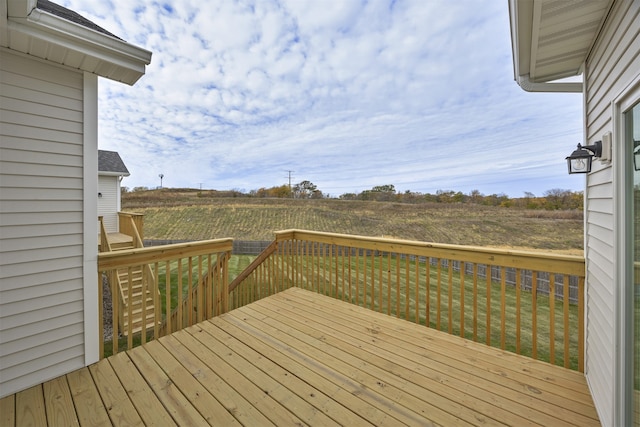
{"x": 552, "y": 38}
{"x": 47, "y": 36}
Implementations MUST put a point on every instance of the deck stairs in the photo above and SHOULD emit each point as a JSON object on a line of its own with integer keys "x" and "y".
{"x": 130, "y": 284}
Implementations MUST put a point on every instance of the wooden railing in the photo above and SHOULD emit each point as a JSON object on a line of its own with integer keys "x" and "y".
{"x": 176, "y": 271}
{"x": 130, "y": 223}
{"x": 105, "y": 246}
{"x": 526, "y": 302}
{"x": 190, "y": 309}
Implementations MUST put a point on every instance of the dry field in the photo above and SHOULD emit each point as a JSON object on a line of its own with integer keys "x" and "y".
{"x": 185, "y": 215}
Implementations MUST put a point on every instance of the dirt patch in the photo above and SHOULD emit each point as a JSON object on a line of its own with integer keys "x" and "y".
{"x": 107, "y": 314}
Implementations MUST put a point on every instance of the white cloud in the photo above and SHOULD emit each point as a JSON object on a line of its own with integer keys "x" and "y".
{"x": 419, "y": 94}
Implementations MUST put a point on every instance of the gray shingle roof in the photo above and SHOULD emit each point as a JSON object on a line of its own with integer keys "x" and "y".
{"x": 72, "y": 16}
{"x": 110, "y": 161}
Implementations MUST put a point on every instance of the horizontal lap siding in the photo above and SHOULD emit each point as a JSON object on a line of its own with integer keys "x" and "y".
{"x": 612, "y": 64}
{"x": 41, "y": 230}
{"x": 107, "y": 204}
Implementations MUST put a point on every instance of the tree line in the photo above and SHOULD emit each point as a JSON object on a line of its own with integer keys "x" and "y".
{"x": 554, "y": 199}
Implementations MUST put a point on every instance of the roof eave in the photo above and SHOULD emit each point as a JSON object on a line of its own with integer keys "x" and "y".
{"x": 99, "y": 53}
{"x": 523, "y": 19}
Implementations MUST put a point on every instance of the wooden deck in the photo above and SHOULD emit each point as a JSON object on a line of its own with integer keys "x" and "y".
{"x": 299, "y": 358}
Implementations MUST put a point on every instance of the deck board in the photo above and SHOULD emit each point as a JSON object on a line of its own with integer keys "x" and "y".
{"x": 59, "y": 403}
{"x": 299, "y": 358}
{"x": 87, "y": 401}
{"x": 119, "y": 407}
{"x": 476, "y": 373}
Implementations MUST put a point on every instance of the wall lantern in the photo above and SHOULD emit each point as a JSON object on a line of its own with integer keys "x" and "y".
{"x": 636, "y": 155}
{"x": 99, "y": 194}
{"x": 580, "y": 160}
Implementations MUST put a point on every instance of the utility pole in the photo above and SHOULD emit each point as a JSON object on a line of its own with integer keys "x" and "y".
{"x": 290, "y": 192}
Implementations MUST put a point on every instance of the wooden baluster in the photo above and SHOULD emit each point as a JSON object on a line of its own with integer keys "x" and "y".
{"x": 534, "y": 314}
{"x": 143, "y": 291}
{"x": 389, "y": 283}
{"x": 380, "y": 281}
{"x": 115, "y": 310}
{"x": 552, "y": 318}
{"x": 373, "y": 279}
{"x": 503, "y": 308}
{"x": 100, "y": 316}
{"x": 518, "y": 305}
{"x": 427, "y": 293}
{"x": 407, "y": 283}
{"x": 130, "y": 308}
{"x": 190, "y": 292}
{"x": 417, "y": 289}
{"x": 156, "y": 301}
{"x": 488, "y": 308}
{"x": 581, "y": 323}
{"x": 200, "y": 292}
{"x": 462, "y": 279}
{"x": 450, "y": 296}
{"x": 357, "y": 301}
{"x": 180, "y": 303}
{"x": 566, "y": 329}
{"x": 349, "y": 269}
{"x": 439, "y": 293}
{"x": 397, "y": 255}
{"x": 364, "y": 283}
{"x": 475, "y": 302}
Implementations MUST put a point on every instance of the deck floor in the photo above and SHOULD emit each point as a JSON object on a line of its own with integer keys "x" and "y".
{"x": 299, "y": 358}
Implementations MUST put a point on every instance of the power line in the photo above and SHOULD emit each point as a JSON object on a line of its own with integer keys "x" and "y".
{"x": 289, "y": 173}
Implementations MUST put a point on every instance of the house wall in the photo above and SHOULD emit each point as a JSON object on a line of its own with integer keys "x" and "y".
{"x": 108, "y": 203}
{"x": 613, "y": 63}
{"x": 41, "y": 221}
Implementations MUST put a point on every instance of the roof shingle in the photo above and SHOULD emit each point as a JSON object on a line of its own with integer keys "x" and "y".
{"x": 72, "y": 16}
{"x": 110, "y": 161}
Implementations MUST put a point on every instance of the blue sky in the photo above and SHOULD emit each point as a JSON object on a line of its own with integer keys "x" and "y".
{"x": 346, "y": 94}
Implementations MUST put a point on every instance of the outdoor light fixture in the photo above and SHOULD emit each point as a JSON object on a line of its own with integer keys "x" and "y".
{"x": 636, "y": 155}
{"x": 580, "y": 160}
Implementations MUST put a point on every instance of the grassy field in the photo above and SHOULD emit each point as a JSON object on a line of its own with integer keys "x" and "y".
{"x": 174, "y": 215}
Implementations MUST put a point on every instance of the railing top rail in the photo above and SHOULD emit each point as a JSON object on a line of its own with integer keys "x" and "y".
{"x": 129, "y": 213}
{"x": 254, "y": 264}
{"x": 127, "y": 258}
{"x": 539, "y": 261}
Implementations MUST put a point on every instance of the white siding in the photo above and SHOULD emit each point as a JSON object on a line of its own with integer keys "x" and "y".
{"x": 41, "y": 221}
{"x": 108, "y": 203}
{"x": 613, "y": 63}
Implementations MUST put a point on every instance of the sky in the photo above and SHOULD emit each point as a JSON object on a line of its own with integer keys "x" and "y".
{"x": 346, "y": 94}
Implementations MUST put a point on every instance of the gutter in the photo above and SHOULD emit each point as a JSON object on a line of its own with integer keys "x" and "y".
{"x": 104, "y": 55}
{"x": 107, "y": 173}
{"x": 526, "y": 84}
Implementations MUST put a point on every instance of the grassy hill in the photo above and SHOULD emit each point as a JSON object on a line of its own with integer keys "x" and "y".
{"x": 193, "y": 215}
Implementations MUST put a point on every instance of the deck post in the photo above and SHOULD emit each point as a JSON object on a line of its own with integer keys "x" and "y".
{"x": 225, "y": 282}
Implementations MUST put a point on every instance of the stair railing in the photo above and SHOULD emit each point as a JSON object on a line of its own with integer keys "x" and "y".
{"x": 177, "y": 269}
